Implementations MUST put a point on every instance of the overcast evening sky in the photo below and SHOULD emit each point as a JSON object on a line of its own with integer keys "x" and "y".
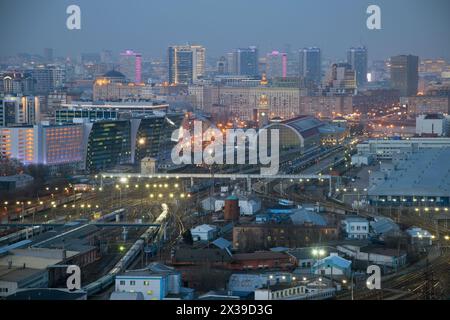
{"x": 418, "y": 27}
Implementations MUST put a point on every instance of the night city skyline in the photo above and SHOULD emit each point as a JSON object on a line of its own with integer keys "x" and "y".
{"x": 251, "y": 152}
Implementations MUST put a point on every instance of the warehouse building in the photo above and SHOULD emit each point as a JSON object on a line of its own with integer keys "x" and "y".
{"x": 420, "y": 178}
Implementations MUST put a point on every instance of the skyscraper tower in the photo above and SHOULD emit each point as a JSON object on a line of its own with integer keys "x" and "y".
{"x": 357, "y": 58}
{"x": 311, "y": 65}
{"x": 186, "y": 63}
{"x": 131, "y": 65}
{"x": 276, "y": 64}
{"x": 405, "y": 74}
{"x": 243, "y": 62}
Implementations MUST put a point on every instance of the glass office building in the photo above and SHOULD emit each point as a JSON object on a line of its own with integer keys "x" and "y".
{"x": 108, "y": 145}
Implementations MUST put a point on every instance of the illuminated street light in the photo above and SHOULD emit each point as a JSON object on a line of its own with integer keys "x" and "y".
{"x": 123, "y": 180}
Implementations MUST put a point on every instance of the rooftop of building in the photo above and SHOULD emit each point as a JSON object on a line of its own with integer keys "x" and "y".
{"x": 383, "y": 225}
{"x": 47, "y": 294}
{"x": 17, "y": 274}
{"x": 259, "y": 255}
{"x": 306, "y": 217}
{"x": 383, "y": 251}
{"x": 355, "y": 219}
{"x": 335, "y": 260}
{"x": 423, "y": 173}
{"x": 434, "y": 116}
{"x": 37, "y": 258}
{"x": 114, "y": 74}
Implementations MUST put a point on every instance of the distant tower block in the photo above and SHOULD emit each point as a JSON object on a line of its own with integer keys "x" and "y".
{"x": 148, "y": 165}
{"x": 231, "y": 210}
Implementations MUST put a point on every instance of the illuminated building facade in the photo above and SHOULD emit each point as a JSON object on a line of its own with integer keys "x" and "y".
{"x": 19, "y": 143}
{"x": 131, "y": 65}
{"x": 276, "y": 65}
{"x": 52, "y": 145}
{"x": 68, "y": 115}
{"x": 146, "y": 133}
{"x": 19, "y": 110}
{"x": 61, "y": 144}
{"x": 357, "y": 58}
{"x": 186, "y": 63}
{"x": 285, "y": 102}
{"x": 108, "y": 144}
{"x": 113, "y": 86}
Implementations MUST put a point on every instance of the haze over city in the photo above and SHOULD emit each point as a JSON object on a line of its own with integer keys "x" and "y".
{"x": 413, "y": 26}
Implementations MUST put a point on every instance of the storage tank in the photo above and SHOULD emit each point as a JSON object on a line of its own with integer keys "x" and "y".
{"x": 231, "y": 210}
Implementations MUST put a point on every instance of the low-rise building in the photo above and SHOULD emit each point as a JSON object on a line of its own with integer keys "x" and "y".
{"x": 432, "y": 125}
{"x": 248, "y": 205}
{"x": 421, "y": 177}
{"x": 382, "y": 226}
{"x": 13, "y": 278}
{"x": 317, "y": 289}
{"x": 18, "y": 181}
{"x": 355, "y": 227}
{"x": 261, "y": 260}
{"x": 156, "y": 282}
{"x": 204, "y": 232}
{"x": 49, "y": 294}
{"x": 389, "y": 258}
{"x": 303, "y": 257}
{"x": 263, "y": 236}
{"x": 333, "y": 265}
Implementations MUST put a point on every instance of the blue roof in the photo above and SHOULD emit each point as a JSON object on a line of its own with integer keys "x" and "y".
{"x": 335, "y": 261}
{"x": 222, "y": 243}
{"x": 16, "y": 245}
{"x": 302, "y": 216}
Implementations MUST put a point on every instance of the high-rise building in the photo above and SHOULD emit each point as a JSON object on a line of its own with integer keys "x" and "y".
{"x": 243, "y": 61}
{"x": 19, "y": 110}
{"x": 186, "y": 63}
{"x": 107, "y": 144}
{"x": 341, "y": 79}
{"x": 52, "y": 145}
{"x": 357, "y": 58}
{"x": 222, "y": 66}
{"x": 16, "y": 83}
{"x": 43, "y": 79}
{"x": 311, "y": 65}
{"x": 199, "y": 57}
{"x": 131, "y": 65}
{"x": 276, "y": 65}
{"x": 405, "y": 74}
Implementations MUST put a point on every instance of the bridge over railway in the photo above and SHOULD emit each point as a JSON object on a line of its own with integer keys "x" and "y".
{"x": 231, "y": 176}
